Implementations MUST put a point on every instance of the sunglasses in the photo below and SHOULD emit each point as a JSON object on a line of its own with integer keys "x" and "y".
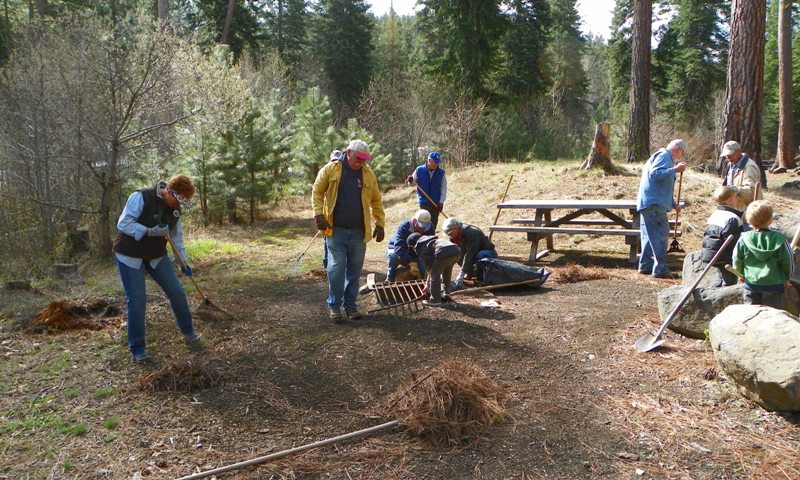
{"x": 181, "y": 199}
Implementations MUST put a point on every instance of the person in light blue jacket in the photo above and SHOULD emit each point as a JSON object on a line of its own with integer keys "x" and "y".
{"x": 653, "y": 202}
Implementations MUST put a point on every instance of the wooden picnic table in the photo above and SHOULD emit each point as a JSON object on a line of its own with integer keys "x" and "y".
{"x": 575, "y": 217}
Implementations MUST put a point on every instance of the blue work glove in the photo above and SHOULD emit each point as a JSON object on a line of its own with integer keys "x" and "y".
{"x": 187, "y": 270}
{"x": 161, "y": 231}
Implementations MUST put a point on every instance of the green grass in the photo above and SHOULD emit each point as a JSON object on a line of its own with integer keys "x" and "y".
{"x": 111, "y": 423}
{"x": 72, "y": 392}
{"x": 103, "y": 392}
{"x": 205, "y": 247}
{"x": 76, "y": 430}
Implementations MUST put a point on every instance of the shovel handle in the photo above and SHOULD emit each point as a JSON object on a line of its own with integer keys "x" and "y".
{"x": 731, "y": 269}
{"x": 677, "y": 308}
{"x": 677, "y": 210}
{"x": 183, "y": 264}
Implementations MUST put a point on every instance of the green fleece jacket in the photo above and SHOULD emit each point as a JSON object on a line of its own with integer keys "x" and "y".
{"x": 763, "y": 257}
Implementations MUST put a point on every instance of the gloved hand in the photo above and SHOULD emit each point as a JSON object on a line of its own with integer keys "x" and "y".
{"x": 459, "y": 282}
{"x": 378, "y": 234}
{"x": 440, "y": 206}
{"x": 160, "y": 231}
{"x": 402, "y": 261}
{"x": 187, "y": 270}
{"x": 322, "y": 224}
{"x": 409, "y": 179}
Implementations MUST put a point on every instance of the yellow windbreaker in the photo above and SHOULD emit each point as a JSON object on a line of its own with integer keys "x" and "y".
{"x": 326, "y": 191}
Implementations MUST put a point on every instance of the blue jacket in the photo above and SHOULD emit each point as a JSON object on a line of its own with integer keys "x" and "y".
{"x": 398, "y": 242}
{"x": 658, "y": 181}
{"x": 431, "y": 186}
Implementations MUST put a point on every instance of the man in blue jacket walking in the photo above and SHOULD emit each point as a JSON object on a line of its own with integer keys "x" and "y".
{"x": 653, "y": 203}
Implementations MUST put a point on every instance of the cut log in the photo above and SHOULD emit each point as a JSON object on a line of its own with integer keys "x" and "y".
{"x": 600, "y": 157}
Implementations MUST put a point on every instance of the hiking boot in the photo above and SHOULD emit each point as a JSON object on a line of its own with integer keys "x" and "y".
{"x": 433, "y": 303}
{"x": 335, "y": 314}
{"x": 195, "y": 343}
{"x": 142, "y": 358}
{"x": 353, "y": 313}
{"x": 663, "y": 275}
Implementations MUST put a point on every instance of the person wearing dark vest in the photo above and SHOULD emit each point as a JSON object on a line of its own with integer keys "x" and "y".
{"x": 439, "y": 256}
{"x": 150, "y": 215}
{"x": 430, "y": 178}
{"x": 474, "y": 245}
{"x": 346, "y": 201}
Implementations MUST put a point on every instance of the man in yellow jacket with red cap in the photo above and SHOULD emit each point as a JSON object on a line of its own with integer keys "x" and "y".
{"x": 346, "y": 200}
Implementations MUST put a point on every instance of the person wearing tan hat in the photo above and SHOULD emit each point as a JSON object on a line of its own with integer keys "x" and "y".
{"x": 743, "y": 175}
{"x": 150, "y": 214}
{"x": 346, "y": 201}
{"x": 397, "y": 252}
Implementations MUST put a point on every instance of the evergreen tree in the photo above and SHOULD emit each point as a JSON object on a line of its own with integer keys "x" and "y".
{"x": 523, "y": 46}
{"x": 206, "y": 18}
{"x": 690, "y": 57}
{"x": 343, "y": 39}
{"x": 567, "y": 78}
{"x": 462, "y": 39}
{"x": 619, "y": 52}
{"x": 313, "y": 136}
{"x": 288, "y": 27}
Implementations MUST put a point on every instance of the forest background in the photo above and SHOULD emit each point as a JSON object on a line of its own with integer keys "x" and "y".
{"x": 99, "y": 97}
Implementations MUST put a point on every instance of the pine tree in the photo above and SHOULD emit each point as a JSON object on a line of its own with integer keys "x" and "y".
{"x": 313, "y": 135}
{"x": 619, "y": 52}
{"x": 564, "y": 53}
{"x": 462, "y": 42}
{"x": 690, "y": 57}
{"x": 523, "y": 47}
{"x": 343, "y": 39}
{"x": 288, "y": 25}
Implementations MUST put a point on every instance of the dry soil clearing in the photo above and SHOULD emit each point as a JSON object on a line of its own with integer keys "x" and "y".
{"x": 278, "y": 374}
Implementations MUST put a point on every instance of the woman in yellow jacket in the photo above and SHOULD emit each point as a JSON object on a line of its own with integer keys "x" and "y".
{"x": 346, "y": 200}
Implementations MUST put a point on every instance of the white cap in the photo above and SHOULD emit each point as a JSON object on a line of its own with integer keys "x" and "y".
{"x": 423, "y": 218}
{"x": 360, "y": 148}
{"x": 730, "y": 148}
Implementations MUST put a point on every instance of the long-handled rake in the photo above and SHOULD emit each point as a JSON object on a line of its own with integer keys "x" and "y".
{"x": 430, "y": 200}
{"x": 206, "y": 303}
{"x": 675, "y": 246}
{"x": 295, "y": 267}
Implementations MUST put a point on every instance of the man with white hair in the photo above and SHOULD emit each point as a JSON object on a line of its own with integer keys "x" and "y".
{"x": 346, "y": 201}
{"x": 743, "y": 175}
{"x": 653, "y": 202}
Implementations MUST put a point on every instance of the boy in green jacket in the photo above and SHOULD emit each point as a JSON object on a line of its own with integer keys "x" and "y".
{"x": 763, "y": 257}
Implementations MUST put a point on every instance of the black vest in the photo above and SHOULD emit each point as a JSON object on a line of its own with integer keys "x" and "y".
{"x": 155, "y": 212}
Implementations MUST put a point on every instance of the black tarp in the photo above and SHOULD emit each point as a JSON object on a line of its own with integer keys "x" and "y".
{"x": 497, "y": 272}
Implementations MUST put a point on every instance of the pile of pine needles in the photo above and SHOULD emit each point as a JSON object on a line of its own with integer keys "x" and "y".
{"x": 72, "y": 315}
{"x": 451, "y": 405}
{"x": 571, "y": 273}
{"x": 187, "y": 377}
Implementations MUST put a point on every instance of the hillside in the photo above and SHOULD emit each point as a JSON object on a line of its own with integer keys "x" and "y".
{"x": 278, "y": 374}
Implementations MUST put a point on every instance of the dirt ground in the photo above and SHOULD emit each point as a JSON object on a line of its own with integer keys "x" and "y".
{"x": 278, "y": 374}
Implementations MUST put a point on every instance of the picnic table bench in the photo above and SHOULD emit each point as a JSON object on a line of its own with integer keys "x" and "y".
{"x": 577, "y": 217}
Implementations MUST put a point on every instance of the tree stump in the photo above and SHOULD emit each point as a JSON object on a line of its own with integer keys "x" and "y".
{"x": 67, "y": 272}
{"x": 599, "y": 157}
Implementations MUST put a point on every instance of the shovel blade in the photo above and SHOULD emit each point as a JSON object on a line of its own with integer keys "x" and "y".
{"x": 647, "y": 343}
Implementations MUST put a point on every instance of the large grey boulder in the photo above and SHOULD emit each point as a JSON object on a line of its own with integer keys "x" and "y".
{"x": 692, "y": 267}
{"x": 699, "y": 309}
{"x": 758, "y": 348}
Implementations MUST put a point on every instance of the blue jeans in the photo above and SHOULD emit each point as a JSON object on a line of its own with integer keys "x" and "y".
{"x": 346, "y": 249}
{"x": 480, "y": 256}
{"x": 394, "y": 260}
{"x": 772, "y": 299}
{"x": 655, "y": 233}
{"x": 133, "y": 283}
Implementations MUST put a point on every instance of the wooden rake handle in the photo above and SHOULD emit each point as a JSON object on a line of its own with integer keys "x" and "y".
{"x": 419, "y": 189}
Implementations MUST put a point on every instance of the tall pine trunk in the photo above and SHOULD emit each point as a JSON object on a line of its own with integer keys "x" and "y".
{"x": 639, "y": 114}
{"x": 226, "y": 30}
{"x": 785, "y": 152}
{"x": 745, "y": 85}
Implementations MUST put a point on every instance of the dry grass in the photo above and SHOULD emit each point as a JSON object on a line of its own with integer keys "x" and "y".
{"x": 571, "y": 273}
{"x": 450, "y": 405}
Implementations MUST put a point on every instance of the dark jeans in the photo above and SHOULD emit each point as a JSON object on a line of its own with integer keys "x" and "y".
{"x": 770, "y": 299}
{"x": 134, "y": 285}
{"x": 434, "y": 211}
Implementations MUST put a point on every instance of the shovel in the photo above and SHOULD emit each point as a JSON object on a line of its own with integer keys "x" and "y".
{"x": 649, "y": 342}
{"x": 675, "y": 246}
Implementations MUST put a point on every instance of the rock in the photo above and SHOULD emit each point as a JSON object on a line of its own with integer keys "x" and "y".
{"x": 67, "y": 272}
{"x": 692, "y": 266}
{"x": 699, "y": 309}
{"x": 757, "y": 347}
